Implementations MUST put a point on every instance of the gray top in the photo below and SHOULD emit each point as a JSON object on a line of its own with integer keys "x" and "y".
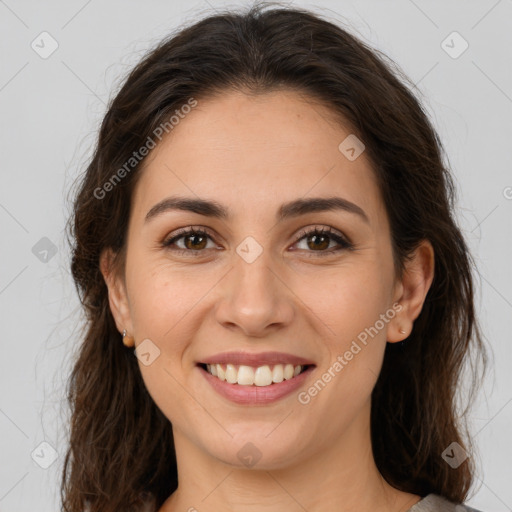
{"x": 436, "y": 503}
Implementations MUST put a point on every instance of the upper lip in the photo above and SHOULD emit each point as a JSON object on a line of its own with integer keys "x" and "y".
{"x": 253, "y": 359}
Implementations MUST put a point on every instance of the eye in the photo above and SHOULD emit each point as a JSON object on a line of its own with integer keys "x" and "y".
{"x": 194, "y": 240}
{"x": 319, "y": 239}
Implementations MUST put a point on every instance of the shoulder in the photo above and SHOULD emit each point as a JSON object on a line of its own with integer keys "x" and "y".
{"x": 436, "y": 503}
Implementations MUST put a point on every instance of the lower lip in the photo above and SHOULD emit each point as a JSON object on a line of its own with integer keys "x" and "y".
{"x": 254, "y": 395}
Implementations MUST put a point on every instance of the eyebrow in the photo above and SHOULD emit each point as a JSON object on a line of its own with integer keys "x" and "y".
{"x": 288, "y": 210}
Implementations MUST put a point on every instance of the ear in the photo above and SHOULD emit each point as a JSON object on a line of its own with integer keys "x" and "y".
{"x": 117, "y": 296}
{"x": 412, "y": 290}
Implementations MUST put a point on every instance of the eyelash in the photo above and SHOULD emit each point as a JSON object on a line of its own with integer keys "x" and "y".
{"x": 342, "y": 241}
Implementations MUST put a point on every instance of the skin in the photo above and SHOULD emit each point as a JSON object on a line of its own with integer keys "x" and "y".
{"x": 252, "y": 154}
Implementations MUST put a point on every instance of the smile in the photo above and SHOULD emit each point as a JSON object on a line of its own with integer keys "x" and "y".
{"x": 248, "y": 392}
{"x": 244, "y": 375}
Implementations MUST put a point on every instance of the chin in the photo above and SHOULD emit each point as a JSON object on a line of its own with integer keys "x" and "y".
{"x": 257, "y": 450}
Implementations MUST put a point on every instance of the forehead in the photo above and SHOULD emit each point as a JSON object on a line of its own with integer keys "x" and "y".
{"x": 256, "y": 152}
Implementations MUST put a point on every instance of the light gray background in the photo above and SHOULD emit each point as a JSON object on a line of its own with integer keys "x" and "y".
{"x": 51, "y": 109}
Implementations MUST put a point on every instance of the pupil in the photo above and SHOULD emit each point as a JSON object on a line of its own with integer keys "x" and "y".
{"x": 194, "y": 237}
{"x": 316, "y": 239}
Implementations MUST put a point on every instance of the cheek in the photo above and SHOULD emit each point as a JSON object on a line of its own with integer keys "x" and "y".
{"x": 346, "y": 300}
{"x": 348, "y": 305}
{"x": 160, "y": 297}
{"x": 350, "y": 313}
{"x": 163, "y": 306}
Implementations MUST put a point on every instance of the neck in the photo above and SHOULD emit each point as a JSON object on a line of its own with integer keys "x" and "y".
{"x": 341, "y": 477}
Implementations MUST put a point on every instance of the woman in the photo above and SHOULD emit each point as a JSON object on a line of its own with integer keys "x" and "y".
{"x": 267, "y": 225}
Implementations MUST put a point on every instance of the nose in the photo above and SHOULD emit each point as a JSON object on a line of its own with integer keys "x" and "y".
{"x": 254, "y": 298}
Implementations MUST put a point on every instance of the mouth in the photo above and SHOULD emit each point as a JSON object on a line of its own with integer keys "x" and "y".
{"x": 255, "y": 378}
{"x": 260, "y": 376}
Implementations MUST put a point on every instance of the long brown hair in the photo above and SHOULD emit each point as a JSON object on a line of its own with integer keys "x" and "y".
{"x": 121, "y": 445}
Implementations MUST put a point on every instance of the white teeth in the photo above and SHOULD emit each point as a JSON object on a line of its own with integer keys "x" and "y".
{"x": 231, "y": 374}
{"x": 245, "y": 376}
{"x": 248, "y": 376}
{"x": 263, "y": 376}
{"x": 288, "y": 371}
{"x": 277, "y": 373}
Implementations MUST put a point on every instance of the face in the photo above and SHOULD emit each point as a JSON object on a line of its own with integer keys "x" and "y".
{"x": 259, "y": 280}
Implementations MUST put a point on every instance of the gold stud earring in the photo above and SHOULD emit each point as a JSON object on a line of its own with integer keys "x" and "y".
{"x": 128, "y": 341}
{"x": 402, "y": 331}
